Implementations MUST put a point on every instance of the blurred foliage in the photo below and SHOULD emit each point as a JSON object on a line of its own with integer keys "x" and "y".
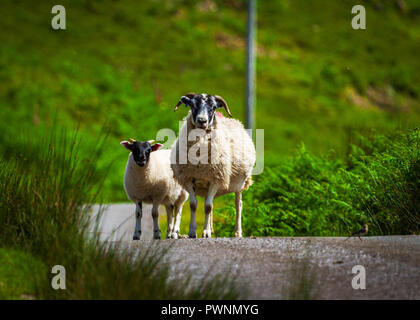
{"x": 317, "y": 196}
{"x": 121, "y": 66}
{"x": 20, "y": 274}
{"x": 46, "y": 219}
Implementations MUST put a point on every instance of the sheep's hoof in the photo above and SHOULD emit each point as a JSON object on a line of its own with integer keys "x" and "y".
{"x": 238, "y": 234}
{"x": 156, "y": 235}
{"x": 172, "y": 235}
{"x": 207, "y": 234}
{"x": 192, "y": 235}
{"x": 137, "y": 235}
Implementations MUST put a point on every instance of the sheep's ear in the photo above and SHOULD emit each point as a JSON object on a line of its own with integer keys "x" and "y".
{"x": 127, "y": 145}
{"x": 156, "y": 146}
{"x": 221, "y": 103}
{"x": 186, "y": 99}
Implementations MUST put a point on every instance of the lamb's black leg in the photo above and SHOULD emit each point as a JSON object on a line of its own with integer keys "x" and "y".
{"x": 139, "y": 214}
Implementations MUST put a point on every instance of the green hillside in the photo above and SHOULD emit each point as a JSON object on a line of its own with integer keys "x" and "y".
{"x": 120, "y": 67}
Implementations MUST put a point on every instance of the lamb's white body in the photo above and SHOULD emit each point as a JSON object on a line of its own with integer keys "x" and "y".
{"x": 231, "y": 157}
{"x": 154, "y": 183}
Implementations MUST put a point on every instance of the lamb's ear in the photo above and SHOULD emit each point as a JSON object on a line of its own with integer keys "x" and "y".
{"x": 156, "y": 146}
{"x": 127, "y": 145}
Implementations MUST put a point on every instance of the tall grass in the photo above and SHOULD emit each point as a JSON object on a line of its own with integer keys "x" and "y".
{"x": 46, "y": 188}
{"x": 385, "y": 174}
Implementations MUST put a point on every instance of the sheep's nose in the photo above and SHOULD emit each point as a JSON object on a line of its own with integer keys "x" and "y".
{"x": 201, "y": 121}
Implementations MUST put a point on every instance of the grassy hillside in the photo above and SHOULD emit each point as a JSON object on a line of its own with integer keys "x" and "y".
{"x": 121, "y": 66}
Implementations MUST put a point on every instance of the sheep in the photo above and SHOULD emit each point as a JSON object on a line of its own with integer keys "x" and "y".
{"x": 149, "y": 178}
{"x": 230, "y": 148}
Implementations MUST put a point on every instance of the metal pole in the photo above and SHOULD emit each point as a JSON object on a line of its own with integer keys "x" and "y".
{"x": 250, "y": 67}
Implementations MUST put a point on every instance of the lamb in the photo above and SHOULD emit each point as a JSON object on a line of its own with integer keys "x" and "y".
{"x": 206, "y": 133}
{"x": 149, "y": 178}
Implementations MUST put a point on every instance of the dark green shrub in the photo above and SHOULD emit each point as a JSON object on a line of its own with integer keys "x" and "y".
{"x": 386, "y": 182}
{"x": 315, "y": 196}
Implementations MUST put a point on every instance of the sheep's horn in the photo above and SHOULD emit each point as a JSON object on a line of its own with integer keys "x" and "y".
{"x": 224, "y": 104}
{"x": 151, "y": 141}
{"x": 131, "y": 140}
{"x": 177, "y": 105}
{"x": 189, "y": 95}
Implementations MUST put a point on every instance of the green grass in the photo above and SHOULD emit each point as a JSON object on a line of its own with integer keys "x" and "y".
{"x": 20, "y": 274}
{"x": 121, "y": 67}
{"x": 45, "y": 193}
{"x": 378, "y": 183}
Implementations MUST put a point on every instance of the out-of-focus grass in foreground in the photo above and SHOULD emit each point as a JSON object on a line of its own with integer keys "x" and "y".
{"x": 44, "y": 221}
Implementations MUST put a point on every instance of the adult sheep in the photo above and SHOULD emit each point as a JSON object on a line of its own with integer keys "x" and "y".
{"x": 212, "y": 156}
{"x": 149, "y": 178}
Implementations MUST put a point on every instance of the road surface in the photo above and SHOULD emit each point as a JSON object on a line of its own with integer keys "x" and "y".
{"x": 118, "y": 221}
{"x": 281, "y": 268}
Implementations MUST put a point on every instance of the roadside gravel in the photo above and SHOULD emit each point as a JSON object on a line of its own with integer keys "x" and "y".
{"x": 280, "y": 268}
{"x": 275, "y": 268}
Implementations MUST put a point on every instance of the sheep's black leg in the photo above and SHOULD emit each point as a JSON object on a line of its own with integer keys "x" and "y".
{"x": 139, "y": 214}
{"x": 155, "y": 215}
{"x": 192, "y": 233}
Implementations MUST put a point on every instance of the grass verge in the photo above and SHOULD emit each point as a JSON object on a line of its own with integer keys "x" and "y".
{"x": 44, "y": 189}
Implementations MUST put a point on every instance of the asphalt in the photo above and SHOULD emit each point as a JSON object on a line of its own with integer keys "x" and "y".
{"x": 117, "y": 221}
{"x": 284, "y": 268}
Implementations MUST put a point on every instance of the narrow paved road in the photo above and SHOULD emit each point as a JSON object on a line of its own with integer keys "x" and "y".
{"x": 273, "y": 268}
{"x": 118, "y": 221}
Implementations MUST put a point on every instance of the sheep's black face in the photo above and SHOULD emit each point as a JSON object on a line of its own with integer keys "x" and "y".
{"x": 141, "y": 150}
{"x": 203, "y": 107}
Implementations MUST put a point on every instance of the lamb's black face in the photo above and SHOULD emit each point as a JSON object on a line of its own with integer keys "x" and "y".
{"x": 203, "y": 107}
{"x": 141, "y": 152}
